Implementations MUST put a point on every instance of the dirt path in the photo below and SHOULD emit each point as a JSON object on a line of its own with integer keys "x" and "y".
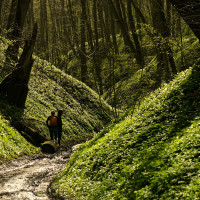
{"x": 28, "y": 178}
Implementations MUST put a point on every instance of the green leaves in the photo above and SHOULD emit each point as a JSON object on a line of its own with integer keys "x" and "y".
{"x": 151, "y": 154}
{"x": 12, "y": 144}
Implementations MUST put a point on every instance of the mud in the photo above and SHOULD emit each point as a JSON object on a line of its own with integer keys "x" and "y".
{"x": 29, "y": 178}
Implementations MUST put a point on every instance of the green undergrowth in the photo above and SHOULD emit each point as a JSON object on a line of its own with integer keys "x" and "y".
{"x": 134, "y": 86}
{"x": 84, "y": 112}
{"x": 51, "y": 89}
{"x": 152, "y": 153}
{"x": 12, "y": 144}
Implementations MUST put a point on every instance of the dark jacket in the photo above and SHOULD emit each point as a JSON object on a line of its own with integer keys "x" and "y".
{"x": 59, "y": 122}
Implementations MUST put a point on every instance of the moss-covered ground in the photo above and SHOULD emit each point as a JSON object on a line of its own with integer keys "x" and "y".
{"x": 84, "y": 112}
{"x": 152, "y": 153}
{"x": 12, "y": 144}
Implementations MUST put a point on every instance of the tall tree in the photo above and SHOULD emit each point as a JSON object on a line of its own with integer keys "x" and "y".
{"x": 135, "y": 35}
{"x": 12, "y": 14}
{"x": 164, "y": 53}
{"x": 15, "y": 85}
{"x": 116, "y": 8}
{"x": 82, "y": 50}
{"x": 44, "y": 35}
{"x": 96, "y": 56}
{"x": 16, "y": 34}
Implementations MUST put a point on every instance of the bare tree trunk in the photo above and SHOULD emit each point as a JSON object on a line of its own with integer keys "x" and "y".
{"x": 44, "y": 36}
{"x": 96, "y": 56}
{"x": 164, "y": 52}
{"x": 54, "y": 35}
{"x": 113, "y": 31}
{"x": 12, "y": 14}
{"x": 82, "y": 51}
{"x": 125, "y": 32}
{"x": 74, "y": 42}
{"x": 134, "y": 35}
{"x": 15, "y": 85}
{"x": 16, "y": 34}
{"x": 1, "y": 2}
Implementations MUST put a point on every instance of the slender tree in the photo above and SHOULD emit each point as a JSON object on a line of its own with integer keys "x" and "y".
{"x": 96, "y": 56}
{"x": 164, "y": 53}
{"x": 16, "y": 34}
{"x": 135, "y": 35}
{"x": 82, "y": 50}
{"x": 44, "y": 35}
{"x": 15, "y": 85}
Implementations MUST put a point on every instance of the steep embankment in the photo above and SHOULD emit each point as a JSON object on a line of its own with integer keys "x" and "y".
{"x": 50, "y": 89}
{"x": 84, "y": 111}
{"x": 12, "y": 144}
{"x": 153, "y": 153}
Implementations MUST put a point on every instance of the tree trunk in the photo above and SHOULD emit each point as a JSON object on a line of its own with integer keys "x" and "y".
{"x": 16, "y": 34}
{"x": 96, "y": 56}
{"x": 15, "y": 85}
{"x": 82, "y": 51}
{"x": 139, "y": 53}
{"x": 44, "y": 29}
{"x": 12, "y": 14}
{"x": 164, "y": 52}
{"x": 124, "y": 29}
{"x": 113, "y": 31}
{"x": 1, "y": 2}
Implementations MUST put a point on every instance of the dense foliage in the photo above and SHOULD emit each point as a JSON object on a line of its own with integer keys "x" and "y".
{"x": 12, "y": 143}
{"x": 153, "y": 153}
{"x": 124, "y": 50}
{"x": 51, "y": 89}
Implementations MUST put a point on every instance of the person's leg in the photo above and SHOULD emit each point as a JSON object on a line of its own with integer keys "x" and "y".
{"x": 55, "y": 133}
{"x": 59, "y": 136}
{"x": 51, "y": 132}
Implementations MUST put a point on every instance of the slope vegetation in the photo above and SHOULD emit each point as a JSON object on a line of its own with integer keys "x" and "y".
{"x": 12, "y": 144}
{"x": 152, "y": 153}
{"x": 50, "y": 89}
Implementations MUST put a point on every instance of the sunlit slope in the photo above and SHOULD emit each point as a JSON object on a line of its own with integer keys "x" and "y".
{"x": 51, "y": 89}
{"x": 12, "y": 144}
{"x": 153, "y": 153}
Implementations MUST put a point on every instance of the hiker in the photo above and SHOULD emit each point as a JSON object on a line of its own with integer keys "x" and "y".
{"x": 52, "y": 123}
{"x": 60, "y": 112}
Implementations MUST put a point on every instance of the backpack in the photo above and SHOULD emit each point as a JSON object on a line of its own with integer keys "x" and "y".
{"x": 53, "y": 121}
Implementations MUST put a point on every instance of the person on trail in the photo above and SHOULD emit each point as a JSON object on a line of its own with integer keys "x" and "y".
{"x": 52, "y": 123}
{"x": 60, "y": 112}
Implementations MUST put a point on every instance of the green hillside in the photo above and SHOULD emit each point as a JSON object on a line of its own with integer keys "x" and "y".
{"x": 12, "y": 144}
{"x": 50, "y": 89}
{"x": 153, "y": 153}
{"x": 141, "y": 83}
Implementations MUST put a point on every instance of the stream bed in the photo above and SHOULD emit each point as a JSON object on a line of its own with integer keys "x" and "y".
{"x": 29, "y": 177}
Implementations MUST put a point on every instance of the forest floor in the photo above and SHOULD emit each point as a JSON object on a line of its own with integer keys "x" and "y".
{"x": 29, "y": 177}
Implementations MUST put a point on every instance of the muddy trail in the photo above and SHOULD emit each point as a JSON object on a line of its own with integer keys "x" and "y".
{"x": 29, "y": 177}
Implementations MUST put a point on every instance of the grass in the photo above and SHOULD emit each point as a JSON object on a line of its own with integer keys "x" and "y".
{"x": 12, "y": 144}
{"x": 50, "y": 89}
{"x": 152, "y": 153}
